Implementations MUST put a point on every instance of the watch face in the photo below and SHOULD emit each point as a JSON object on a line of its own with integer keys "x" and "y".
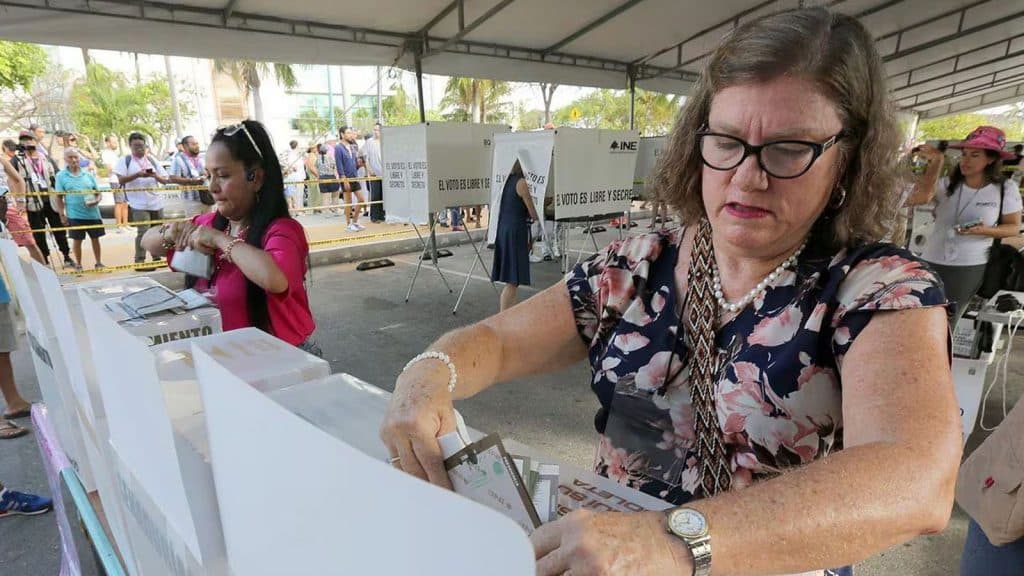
{"x": 688, "y": 523}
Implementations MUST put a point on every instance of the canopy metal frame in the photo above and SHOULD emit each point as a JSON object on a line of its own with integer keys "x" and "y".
{"x": 414, "y": 48}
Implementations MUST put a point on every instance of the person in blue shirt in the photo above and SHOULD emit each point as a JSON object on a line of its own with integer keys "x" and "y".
{"x": 346, "y": 156}
{"x": 79, "y": 209}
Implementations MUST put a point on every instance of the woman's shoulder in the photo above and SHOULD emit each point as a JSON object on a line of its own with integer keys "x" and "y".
{"x": 863, "y": 274}
{"x": 648, "y": 247}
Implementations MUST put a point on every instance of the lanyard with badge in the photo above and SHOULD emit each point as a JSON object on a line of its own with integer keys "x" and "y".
{"x": 38, "y": 174}
{"x": 952, "y": 248}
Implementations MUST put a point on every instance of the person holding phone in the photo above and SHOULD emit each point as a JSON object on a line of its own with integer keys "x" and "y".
{"x": 141, "y": 172}
{"x": 975, "y": 204}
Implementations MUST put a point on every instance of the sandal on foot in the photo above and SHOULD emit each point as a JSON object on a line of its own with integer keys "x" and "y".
{"x": 23, "y": 413}
{"x": 10, "y": 430}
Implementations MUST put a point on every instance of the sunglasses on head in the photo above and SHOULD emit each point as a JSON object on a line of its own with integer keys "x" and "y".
{"x": 230, "y": 131}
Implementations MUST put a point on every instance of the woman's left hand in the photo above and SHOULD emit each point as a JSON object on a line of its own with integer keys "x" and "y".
{"x": 206, "y": 239}
{"x": 597, "y": 543}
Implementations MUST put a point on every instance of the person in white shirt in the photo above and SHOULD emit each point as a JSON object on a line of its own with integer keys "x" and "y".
{"x": 294, "y": 168}
{"x": 110, "y": 155}
{"x": 140, "y": 171}
{"x": 974, "y": 206}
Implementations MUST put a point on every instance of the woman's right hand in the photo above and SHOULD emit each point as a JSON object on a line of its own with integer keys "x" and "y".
{"x": 179, "y": 233}
{"x": 421, "y": 410}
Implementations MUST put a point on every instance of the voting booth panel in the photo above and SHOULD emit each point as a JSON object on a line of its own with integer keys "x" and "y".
{"x": 95, "y": 469}
{"x": 533, "y": 151}
{"x": 648, "y": 154}
{"x": 168, "y": 534}
{"x": 432, "y": 166}
{"x": 594, "y": 172}
{"x": 350, "y": 510}
{"x": 51, "y": 370}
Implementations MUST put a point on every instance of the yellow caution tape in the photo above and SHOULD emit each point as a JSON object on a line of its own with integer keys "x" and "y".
{"x": 175, "y": 188}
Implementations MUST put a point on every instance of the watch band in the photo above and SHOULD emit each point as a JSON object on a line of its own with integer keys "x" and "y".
{"x": 701, "y": 551}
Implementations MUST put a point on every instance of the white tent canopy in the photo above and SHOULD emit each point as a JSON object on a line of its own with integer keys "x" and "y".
{"x": 943, "y": 56}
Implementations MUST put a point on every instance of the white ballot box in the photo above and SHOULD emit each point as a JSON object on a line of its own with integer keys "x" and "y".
{"x": 295, "y": 499}
{"x": 436, "y": 165}
{"x": 352, "y": 410}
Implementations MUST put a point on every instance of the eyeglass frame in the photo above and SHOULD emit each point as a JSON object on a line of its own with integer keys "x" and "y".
{"x": 234, "y": 128}
{"x": 819, "y": 148}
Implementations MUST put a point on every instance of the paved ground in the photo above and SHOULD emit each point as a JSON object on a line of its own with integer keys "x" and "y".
{"x": 367, "y": 329}
{"x": 118, "y": 246}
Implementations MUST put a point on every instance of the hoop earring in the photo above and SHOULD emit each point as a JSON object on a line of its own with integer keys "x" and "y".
{"x": 836, "y": 205}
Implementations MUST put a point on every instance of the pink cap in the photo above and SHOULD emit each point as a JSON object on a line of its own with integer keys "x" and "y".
{"x": 986, "y": 138}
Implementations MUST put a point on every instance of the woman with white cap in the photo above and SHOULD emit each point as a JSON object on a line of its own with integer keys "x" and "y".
{"x": 975, "y": 204}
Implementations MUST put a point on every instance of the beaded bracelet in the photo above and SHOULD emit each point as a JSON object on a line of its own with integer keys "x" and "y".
{"x": 226, "y": 254}
{"x": 453, "y": 376}
{"x": 167, "y": 244}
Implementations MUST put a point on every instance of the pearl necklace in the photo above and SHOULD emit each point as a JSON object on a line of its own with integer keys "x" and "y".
{"x": 756, "y": 291}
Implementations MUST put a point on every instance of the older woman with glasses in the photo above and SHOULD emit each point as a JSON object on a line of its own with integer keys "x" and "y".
{"x": 773, "y": 369}
{"x": 259, "y": 251}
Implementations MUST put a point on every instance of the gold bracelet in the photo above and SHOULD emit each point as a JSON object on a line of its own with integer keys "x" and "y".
{"x": 226, "y": 254}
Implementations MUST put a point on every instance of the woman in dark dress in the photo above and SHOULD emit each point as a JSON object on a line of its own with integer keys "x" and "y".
{"x": 512, "y": 244}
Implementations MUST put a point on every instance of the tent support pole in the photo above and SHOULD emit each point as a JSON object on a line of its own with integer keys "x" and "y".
{"x": 419, "y": 86}
{"x": 632, "y": 99}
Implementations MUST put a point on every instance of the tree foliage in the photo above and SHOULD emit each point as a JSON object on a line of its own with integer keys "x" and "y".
{"x": 311, "y": 122}
{"x": 950, "y": 127}
{"x": 473, "y": 100}
{"x": 609, "y": 109}
{"x": 248, "y": 75}
{"x": 20, "y": 64}
{"x": 106, "y": 102}
{"x": 400, "y": 109}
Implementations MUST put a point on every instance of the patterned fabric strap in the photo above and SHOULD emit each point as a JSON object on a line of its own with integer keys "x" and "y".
{"x": 701, "y": 322}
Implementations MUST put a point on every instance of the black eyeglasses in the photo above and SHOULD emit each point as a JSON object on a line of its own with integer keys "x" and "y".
{"x": 233, "y": 129}
{"x": 784, "y": 159}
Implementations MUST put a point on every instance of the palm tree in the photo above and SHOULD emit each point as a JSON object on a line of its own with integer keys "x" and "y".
{"x": 473, "y": 100}
{"x": 249, "y": 74}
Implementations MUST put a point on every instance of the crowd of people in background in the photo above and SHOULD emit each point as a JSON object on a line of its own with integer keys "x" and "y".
{"x": 66, "y": 180}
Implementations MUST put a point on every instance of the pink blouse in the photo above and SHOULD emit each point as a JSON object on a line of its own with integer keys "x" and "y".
{"x": 290, "y": 317}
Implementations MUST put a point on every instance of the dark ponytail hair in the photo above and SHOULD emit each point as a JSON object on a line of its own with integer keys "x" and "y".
{"x": 993, "y": 173}
{"x": 270, "y": 204}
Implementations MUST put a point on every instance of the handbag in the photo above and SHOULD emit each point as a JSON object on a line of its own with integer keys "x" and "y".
{"x": 1005, "y": 267}
{"x": 988, "y": 486}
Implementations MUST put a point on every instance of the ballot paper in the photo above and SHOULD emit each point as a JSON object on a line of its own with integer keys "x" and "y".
{"x": 148, "y": 301}
{"x": 485, "y": 473}
{"x": 193, "y": 262}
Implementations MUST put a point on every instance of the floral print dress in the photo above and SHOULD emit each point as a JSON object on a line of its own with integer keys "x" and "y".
{"x": 779, "y": 393}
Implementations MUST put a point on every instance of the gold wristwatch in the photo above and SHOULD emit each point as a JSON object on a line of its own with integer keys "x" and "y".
{"x": 691, "y": 527}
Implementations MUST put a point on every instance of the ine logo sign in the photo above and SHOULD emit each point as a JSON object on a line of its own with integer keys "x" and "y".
{"x": 620, "y": 146}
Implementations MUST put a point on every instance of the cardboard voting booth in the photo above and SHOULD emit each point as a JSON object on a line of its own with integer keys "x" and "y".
{"x": 167, "y": 534}
{"x": 157, "y": 435}
{"x": 333, "y": 508}
{"x": 436, "y": 165}
{"x": 648, "y": 154}
{"x": 84, "y": 404}
{"x": 588, "y": 173}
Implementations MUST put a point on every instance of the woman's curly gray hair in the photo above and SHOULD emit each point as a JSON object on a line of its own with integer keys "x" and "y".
{"x": 838, "y": 54}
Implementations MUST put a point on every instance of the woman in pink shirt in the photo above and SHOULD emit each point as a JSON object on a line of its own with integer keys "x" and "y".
{"x": 259, "y": 251}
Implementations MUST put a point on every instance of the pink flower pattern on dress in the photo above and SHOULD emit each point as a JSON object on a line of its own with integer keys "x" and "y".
{"x": 779, "y": 393}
